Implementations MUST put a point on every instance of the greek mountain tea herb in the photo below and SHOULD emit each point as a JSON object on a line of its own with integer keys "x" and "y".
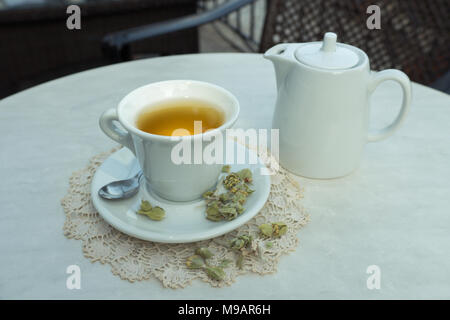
{"x": 266, "y": 229}
{"x": 224, "y": 263}
{"x": 154, "y": 213}
{"x": 243, "y": 246}
{"x": 229, "y": 204}
{"x": 246, "y": 175}
{"x": 195, "y": 262}
{"x": 145, "y": 205}
{"x": 199, "y": 261}
{"x": 204, "y": 253}
{"x": 275, "y": 229}
{"x": 215, "y": 273}
{"x": 241, "y": 242}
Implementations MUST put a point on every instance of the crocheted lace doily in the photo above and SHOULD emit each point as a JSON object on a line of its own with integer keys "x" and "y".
{"x": 135, "y": 260}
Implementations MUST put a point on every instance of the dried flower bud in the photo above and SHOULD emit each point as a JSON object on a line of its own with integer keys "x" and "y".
{"x": 195, "y": 262}
{"x": 215, "y": 273}
{"x": 228, "y": 212}
{"x": 228, "y": 205}
{"x": 226, "y": 168}
{"x": 240, "y": 196}
{"x": 213, "y": 214}
{"x": 157, "y": 213}
{"x": 208, "y": 194}
{"x": 247, "y": 189}
{"x": 241, "y": 242}
{"x": 246, "y": 175}
{"x": 204, "y": 253}
{"x": 279, "y": 229}
{"x": 275, "y": 229}
{"x": 237, "y": 244}
{"x": 145, "y": 205}
{"x": 247, "y": 239}
{"x": 225, "y": 197}
{"x": 231, "y": 180}
{"x": 239, "y": 208}
{"x": 266, "y": 229}
{"x": 154, "y": 213}
{"x": 224, "y": 263}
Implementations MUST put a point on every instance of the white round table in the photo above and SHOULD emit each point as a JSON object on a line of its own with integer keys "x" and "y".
{"x": 393, "y": 212}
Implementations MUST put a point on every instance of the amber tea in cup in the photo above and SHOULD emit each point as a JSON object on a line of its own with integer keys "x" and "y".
{"x": 178, "y": 117}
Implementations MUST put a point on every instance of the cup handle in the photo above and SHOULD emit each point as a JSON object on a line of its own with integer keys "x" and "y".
{"x": 405, "y": 83}
{"x": 108, "y": 125}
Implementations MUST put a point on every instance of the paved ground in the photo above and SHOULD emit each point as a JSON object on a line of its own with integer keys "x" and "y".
{"x": 211, "y": 41}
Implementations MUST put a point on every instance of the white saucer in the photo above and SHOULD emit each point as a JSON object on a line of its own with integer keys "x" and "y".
{"x": 184, "y": 221}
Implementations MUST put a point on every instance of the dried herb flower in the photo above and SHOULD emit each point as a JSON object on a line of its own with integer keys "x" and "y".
{"x": 266, "y": 229}
{"x": 198, "y": 261}
{"x": 243, "y": 246}
{"x": 204, "y": 253}
{"x": 246, "y": 175}
{"x": 208, "y": 194}
{"x": 231, "y": 181}
{"x": 275, "y": 229}
{"x": 228, "y": 205}
{"x": 215, "y": 273}
{"x": 279, "y": 229}
{"x": 154, "y": 213}
{"x": 240, "y": 242}
{"x": 224, "y": 263}
{"x": 195, "y": 262}
{"x": 145, "y": 205}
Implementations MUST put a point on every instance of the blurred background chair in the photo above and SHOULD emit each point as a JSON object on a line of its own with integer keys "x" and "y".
{"x": 237, "y": 16}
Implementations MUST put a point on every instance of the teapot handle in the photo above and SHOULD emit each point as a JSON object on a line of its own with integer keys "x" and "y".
{"x": 402, "y": 79}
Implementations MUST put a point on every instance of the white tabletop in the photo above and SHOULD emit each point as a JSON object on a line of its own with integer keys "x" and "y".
{"x": 394, "y": 212}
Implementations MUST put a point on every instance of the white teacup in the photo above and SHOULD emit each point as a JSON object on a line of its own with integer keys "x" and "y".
{"x": 176, "y": 182}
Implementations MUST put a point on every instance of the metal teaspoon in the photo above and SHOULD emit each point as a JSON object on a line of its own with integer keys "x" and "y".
{"x": 121, "y": 189}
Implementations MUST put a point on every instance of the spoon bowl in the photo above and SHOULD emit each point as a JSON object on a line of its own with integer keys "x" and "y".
{"x": 121, "y": 189}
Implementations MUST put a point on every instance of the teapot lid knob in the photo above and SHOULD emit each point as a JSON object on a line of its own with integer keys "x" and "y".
{"x": 329, "y": 42}
{"x": 328, "y": 54}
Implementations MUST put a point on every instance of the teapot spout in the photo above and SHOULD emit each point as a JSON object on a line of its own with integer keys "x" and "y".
{"x": 282, "y": 58}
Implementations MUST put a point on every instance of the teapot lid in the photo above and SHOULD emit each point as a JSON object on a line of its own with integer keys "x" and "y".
{"x": 327, "y": 54}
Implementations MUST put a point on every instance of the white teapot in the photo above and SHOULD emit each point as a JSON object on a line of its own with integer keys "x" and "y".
{"x": 322, "y": 109}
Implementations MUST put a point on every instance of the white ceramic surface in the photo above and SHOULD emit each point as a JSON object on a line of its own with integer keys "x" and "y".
{"x": 322, "y": 108}
{"x": 177, "y": 182}
{"x": 392, "y": 212}
{"x": 184, "y": 221}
